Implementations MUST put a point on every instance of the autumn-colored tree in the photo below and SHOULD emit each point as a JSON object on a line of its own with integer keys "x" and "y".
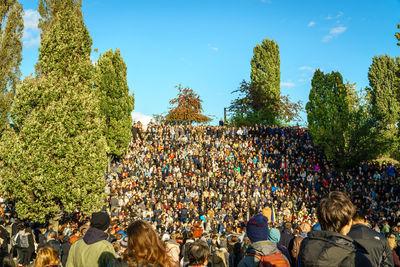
{"x": 188, "y": 109}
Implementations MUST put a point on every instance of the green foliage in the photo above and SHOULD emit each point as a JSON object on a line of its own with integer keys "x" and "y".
{"x": 11, "y": 27}
{"x": 116, "y": 104}
{"x": 244, "y": 115}
{"x": 339, "y": 121}
{"x": 188, "y": 109}
{"x": 384, "y": 90}
{"x": 57, "y": 157}
{"x": 265, "y": 78}
{"x": 397, "y": 34}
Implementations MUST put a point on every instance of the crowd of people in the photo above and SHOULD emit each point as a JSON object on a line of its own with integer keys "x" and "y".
{"x": 207, "y": 183}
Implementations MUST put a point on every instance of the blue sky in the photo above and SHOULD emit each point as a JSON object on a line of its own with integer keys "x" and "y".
{"x": 207, "y": 44}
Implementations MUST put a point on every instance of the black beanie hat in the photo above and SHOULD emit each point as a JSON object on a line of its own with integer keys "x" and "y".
{"x": 100, "y": 220}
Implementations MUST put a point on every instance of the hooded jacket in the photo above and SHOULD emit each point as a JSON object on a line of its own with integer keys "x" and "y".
{"x": 379, "y": 252}
{"x": 328, "y": 249}
{"x": 91, "y": 250}
{"x": 261, "y": 248}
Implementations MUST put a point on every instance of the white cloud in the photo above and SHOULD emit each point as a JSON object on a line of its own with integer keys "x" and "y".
{"x": 287, "y": 84}
{"x": 144, "y": 119}
{"x": 339, "y": 14}
{"x": 311, "y": 23}
{"x": 334, "y": 32}
{"x": 328, "y": 17}
{"x": 31, "y": 35}
{"x": 307, "y": 68}
{"x": 213, "y": 48}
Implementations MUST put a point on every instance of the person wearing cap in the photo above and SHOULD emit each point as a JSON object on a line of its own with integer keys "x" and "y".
{"x": 275, "y": 236}
{"x": 376, "y": 244}
{"x": 93, "y": 249}
{"x": 260, "y": 247}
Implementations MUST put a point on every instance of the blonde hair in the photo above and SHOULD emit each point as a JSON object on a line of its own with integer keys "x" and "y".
{"x": 392, "y": 241}
{"x": 47, "y": 256}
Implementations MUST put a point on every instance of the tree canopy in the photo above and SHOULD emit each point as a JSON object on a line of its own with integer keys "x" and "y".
{"x": 265, "y": 78}
{"x": 188, "y": 109}
{"x": 116, "y": 104}
{"x": 340, "y": 122}
{"x": 11, "y": 28}
{"x": 55, "y": 159}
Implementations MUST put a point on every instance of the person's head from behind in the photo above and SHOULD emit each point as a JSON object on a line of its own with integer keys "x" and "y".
{"x": 145, "y": 246}
{"x": 257, "y": 228}
{"x": 392, "y": 241}
{"x": 335, "y": 213}
{"x": 47, "y": 256}
{"x": 360, "y": 216}
{"x": 199, "y": 253}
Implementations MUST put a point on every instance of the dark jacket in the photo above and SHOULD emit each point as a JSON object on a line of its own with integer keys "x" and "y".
{"x": 286, "y": 237}
{"x": 328, "y": 249}
{"x": 379, "y": 252}
{"x": 65, "y": 247}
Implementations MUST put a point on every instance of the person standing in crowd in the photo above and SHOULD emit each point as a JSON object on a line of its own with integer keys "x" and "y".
{"x": 52, "y": 241}
{"x": 379, "y": 252}
{"x": 275, "y": 236}
{"x": 4, "y": 241}
{"x": 286, "y": 235}
{"x": 392, "y": 240}
{"x": 331, "y": 246}
{"x": 145, "y": 248}
{"x": 24, "y": 245}
{"x": 47, "y": 256}
{"x": 93, "y": 249}
{"x": 304, "y": 229}
{"x": 198, "y": 254}
{"x": 260, "y": 249}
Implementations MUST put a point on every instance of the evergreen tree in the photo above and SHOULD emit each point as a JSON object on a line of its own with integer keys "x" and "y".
{"x": 11, "y": 27}
{"x": 265, "y": 79}
{"x": 116, "y": 104}
{"x": 57, "y": 157}
{"x": 398, "y": 35}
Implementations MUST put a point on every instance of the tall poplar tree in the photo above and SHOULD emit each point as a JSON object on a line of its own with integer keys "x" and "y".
{"x": 56, "y": 159}
{"x": 116, "y": 104}
{"x": 384, "y": 94}
{"x": 384, "y": 89}
{"x": 11, "y": 27}
{"x": 265, "y": 78}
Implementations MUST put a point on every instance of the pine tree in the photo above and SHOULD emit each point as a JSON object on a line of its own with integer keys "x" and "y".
{"x": 116, "y": 104}
{"x": 57, "y": 157}
{"x": 11, "y": 27}
{"x": 398, "y": 35}
{"x": 265, "y": 78}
